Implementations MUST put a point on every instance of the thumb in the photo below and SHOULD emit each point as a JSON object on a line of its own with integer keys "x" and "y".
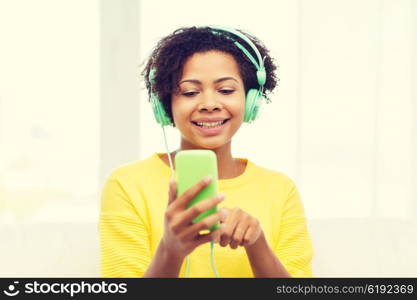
{"x": 172, "y": 193}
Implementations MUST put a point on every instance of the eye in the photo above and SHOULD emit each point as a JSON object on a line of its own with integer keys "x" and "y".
{"x": 226, "y": 91}
{"x": 189, "y": 94}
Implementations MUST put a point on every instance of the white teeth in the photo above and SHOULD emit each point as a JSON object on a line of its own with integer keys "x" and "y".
{"x": 214, "y": 124}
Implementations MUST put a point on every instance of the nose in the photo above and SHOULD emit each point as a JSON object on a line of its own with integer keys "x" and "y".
{"x": 209, "y": 103}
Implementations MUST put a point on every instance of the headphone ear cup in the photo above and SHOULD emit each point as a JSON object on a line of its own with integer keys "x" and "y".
{"x": 159, "y": 112}
{"x": 252, "y": 104}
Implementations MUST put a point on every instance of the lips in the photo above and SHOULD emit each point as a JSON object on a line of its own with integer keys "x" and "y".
{"x": 209, "y": 120}
{"x": 210, "y": 131}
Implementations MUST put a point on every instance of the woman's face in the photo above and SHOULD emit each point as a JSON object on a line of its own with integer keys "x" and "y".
{"x": 210, "y": 91}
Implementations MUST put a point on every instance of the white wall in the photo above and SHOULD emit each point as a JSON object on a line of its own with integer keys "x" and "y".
{"x": 356, "y": 108}
{"x": 342, "y": 123}
{"x": 49, "y": 110}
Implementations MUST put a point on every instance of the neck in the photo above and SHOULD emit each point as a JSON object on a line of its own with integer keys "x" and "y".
{"x": 227, "y": 166}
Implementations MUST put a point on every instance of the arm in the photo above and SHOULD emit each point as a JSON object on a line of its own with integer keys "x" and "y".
{"x": 263, "y": 261}
{"x": 124, "y": 237}
{"x": 294, "y": 247}
{"x": 164, "y": 263}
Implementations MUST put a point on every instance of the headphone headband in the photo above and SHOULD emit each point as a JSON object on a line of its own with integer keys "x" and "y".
{"x": 260, "y": 73}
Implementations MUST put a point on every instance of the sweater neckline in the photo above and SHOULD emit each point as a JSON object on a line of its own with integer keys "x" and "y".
{"x": 243, "y": 178}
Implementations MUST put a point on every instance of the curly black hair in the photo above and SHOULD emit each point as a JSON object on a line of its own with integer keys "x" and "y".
{"x": 170, "y": 54}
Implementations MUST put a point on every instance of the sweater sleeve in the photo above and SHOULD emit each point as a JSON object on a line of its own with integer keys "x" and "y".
{"x": 124, "y": 236}
{"x": 294, "y": 248}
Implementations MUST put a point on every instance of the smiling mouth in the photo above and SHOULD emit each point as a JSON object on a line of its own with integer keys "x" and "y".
{"x": 210, "y": 125}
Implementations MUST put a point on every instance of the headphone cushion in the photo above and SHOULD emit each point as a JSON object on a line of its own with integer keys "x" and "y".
{"x": 159, "y": 112}
{"x": 253, "y": 100}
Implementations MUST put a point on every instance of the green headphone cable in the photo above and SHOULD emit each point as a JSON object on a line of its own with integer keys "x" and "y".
{"x": 213, "y": 266}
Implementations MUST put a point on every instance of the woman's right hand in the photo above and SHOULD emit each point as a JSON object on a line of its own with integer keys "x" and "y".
{"x": 181, "y": 236}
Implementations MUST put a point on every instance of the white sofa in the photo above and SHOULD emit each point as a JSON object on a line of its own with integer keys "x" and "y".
{"x": 343, "y": 248}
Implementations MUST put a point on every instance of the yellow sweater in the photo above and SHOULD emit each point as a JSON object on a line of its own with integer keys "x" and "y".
{"x": 134, "y": 200}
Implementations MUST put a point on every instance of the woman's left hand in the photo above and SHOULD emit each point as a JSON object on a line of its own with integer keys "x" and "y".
{"x": 239, "y": 229}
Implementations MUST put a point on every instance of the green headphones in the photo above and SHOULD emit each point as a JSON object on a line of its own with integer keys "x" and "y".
{"x": 253, "y": 97}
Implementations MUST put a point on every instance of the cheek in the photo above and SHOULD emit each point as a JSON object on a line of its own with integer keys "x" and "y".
{"x": 180, "y": 112}
{"x": 239, "y": 109}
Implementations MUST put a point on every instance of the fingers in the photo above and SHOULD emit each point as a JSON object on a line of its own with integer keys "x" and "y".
{"x": 252, "y": 234}
{"x": 239, "y": 229}
{"x": 204, "y": 238}
{"x": 195, "y": 210}
{"x": 237, "y": 237}
{"x": 178, "y": 220}
{"x": 172, "y": 193}
{"x": 231, "y": 223}
{"x": 192, "y": 192}
{"x": 205, "y": 223}
{"x": 246, "y": 240}
{"x": 218, "y": 234}
{"x": 224, "y": 212}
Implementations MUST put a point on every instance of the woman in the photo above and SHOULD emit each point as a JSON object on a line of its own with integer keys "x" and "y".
{"x": 204, "y": 78}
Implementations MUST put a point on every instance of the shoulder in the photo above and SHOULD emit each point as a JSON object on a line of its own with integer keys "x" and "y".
{"x": 274, "y": 177}
{"x": 136, "y": 170}
{"x": 274, "y": 184}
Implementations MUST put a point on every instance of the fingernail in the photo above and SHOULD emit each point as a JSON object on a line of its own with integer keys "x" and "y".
{"x": 207, "y": 179}
{"x": 220, "y": 197}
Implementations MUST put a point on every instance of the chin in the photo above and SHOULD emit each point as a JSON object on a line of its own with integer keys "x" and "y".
{"x": 210, "y": 145}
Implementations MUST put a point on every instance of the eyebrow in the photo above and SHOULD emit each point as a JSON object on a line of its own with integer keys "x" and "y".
{"x": 215, "y": 81}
